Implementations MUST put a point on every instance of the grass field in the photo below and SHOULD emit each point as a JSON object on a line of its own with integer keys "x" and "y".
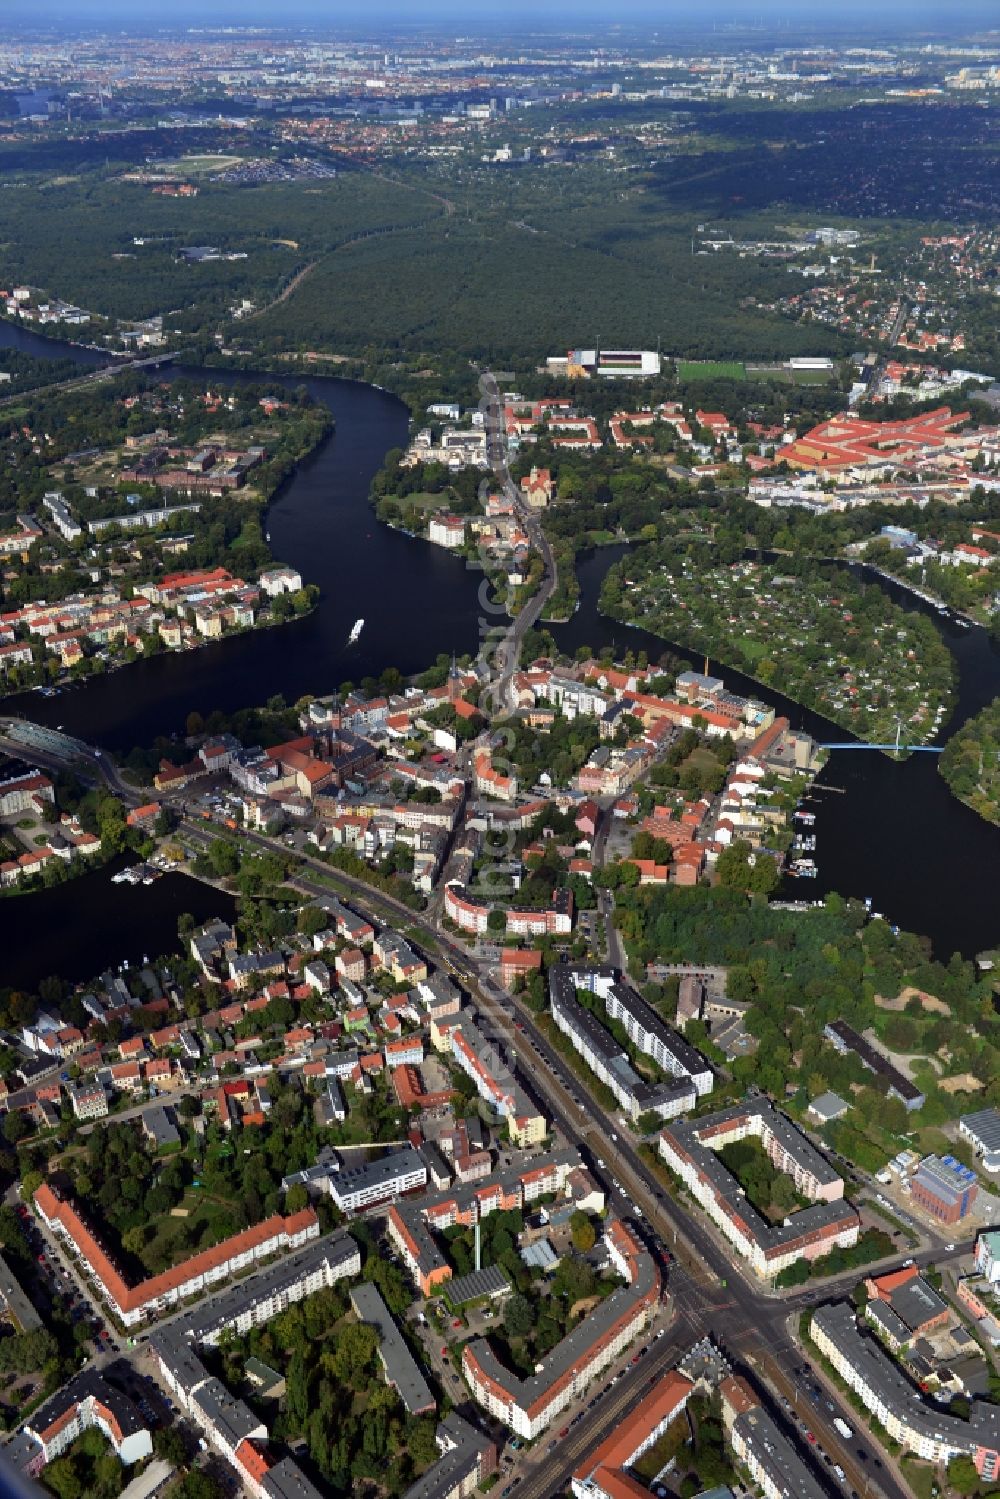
{"x": 753, "y": 650}
{"x": 422, "y": 500}
{"x": 710, "y": 369}
{"x": 209, "y": 1220}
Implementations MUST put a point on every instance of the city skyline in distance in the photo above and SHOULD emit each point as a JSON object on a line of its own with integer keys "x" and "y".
{"x": 909, "y": 18}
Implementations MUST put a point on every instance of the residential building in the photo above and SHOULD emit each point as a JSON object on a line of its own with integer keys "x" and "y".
{"x": 606, "y": 1058}
{"x": 925, "y": 1429}
{"x": 529, "y": 1405}
{"x": 133, "y": 1304}
{"x": 604, "y": 1472}
{"x": 771, "y": 1460}
{"x": 89, "y": 1100}
{"x": 483, "y": 1062}
{"x": 88, "y": 1400}
{"x": 15, "y": 1302}
{"x": 401, "y": 1369}
{"x": 689, "y": 1149}
{"x": 467, "y": 1458}
{"x": 412, "y": 1225}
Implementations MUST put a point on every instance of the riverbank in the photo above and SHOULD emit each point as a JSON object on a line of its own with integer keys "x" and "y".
{"x": 896, "y": 834}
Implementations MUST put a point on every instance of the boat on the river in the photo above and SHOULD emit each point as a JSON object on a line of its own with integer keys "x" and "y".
{"x": 359, "y": 625}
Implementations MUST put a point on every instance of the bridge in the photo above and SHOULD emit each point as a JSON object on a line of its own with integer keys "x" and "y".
{"x": 925, "y": 749}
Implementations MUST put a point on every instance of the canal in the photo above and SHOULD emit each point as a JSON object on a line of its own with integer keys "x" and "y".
{"x": 885, "y": 830}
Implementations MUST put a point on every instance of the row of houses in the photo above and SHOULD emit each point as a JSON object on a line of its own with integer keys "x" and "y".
{"x": 412, "y": 1225}
{"x": 481, "y": 1060}
{"x": 530, "y": 1404}
{"x": 471, "y": 914}
{"x": 466, "y": 1455}
{"x": 134, "y": 1304}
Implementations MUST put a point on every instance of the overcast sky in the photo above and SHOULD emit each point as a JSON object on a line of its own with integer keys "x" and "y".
{"x": 908, "y": 16}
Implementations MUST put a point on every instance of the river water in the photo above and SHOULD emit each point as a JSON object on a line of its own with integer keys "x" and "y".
{"x": 885, "y": 830}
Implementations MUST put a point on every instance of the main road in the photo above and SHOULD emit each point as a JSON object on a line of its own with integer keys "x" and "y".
{"x": 710, "y": 1291}
{"x": 506, "y": 650}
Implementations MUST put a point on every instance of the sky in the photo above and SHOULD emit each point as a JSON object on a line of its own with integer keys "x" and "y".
{"x": 472, "y": 16}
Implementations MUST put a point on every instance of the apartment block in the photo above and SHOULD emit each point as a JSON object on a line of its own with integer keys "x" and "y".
{"x": 923, "y": 1428}
{"x": 529, "y": 1405}
{"x": 689, "y": 1149}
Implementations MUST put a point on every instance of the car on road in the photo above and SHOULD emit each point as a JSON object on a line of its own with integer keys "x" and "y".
{"x": 810, "y": 1438}
{"x": 444, "y": 1351}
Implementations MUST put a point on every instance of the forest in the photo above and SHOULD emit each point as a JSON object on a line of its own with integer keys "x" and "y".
{"x": 798, "y": 971}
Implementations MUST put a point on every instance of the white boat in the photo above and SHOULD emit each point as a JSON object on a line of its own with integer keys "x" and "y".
{"x": 359, "y": 625}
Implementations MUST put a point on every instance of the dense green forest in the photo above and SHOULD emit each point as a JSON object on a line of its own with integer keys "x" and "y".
{"x": 76, "y": 238}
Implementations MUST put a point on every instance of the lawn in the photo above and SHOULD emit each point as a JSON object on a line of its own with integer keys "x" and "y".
{"x": 920, "y": 1477}
{"x": 668, "y": 1446}
{"x": 710, "y": 369}
{"x": 423, "y": 500}
{"x": 209, "y": 1220}
{"x": 753, "y": 650}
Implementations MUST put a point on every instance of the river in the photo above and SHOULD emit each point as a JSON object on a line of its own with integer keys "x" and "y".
{"x": 891, "y": 831}
{"x": 78, "y": 929}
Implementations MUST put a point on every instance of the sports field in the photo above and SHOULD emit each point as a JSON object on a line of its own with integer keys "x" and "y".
{"x": 710, "y": 369}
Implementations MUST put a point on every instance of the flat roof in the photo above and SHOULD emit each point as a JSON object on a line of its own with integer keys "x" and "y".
{"x": 401, "y": 1368}
{"x": 492, "y": 1280}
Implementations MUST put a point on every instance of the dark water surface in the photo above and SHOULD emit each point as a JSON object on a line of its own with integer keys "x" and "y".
{"x": 897, "y": 835}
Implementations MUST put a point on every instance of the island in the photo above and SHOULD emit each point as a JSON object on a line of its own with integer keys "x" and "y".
{"x": 815, "y": 631}
{"x": 971, "y": 763}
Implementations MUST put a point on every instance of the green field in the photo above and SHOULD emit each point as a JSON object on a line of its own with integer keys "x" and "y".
{"x": 422, "y": 499}
{"x": 753, "y": 650}
{"x": 710, "y": 369}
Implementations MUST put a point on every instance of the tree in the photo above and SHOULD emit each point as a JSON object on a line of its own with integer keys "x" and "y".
{"x": 134, "y": 1239}
{"x": 296, "y": 1198}
{"x": 224, "y": 858}
{"x": 962, "y": 1475}
{"x": 518, "y": 1316}
{"x": 583, "y": 1232}
{"x": 496, "y": 921}
{"x": 15, "y": 1127}
{"x": 170, "y": 1445}
{"x": 355, "y": 1355}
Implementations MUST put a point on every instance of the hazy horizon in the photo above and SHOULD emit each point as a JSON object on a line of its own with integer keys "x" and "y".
{"x": 906, "y": 17}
